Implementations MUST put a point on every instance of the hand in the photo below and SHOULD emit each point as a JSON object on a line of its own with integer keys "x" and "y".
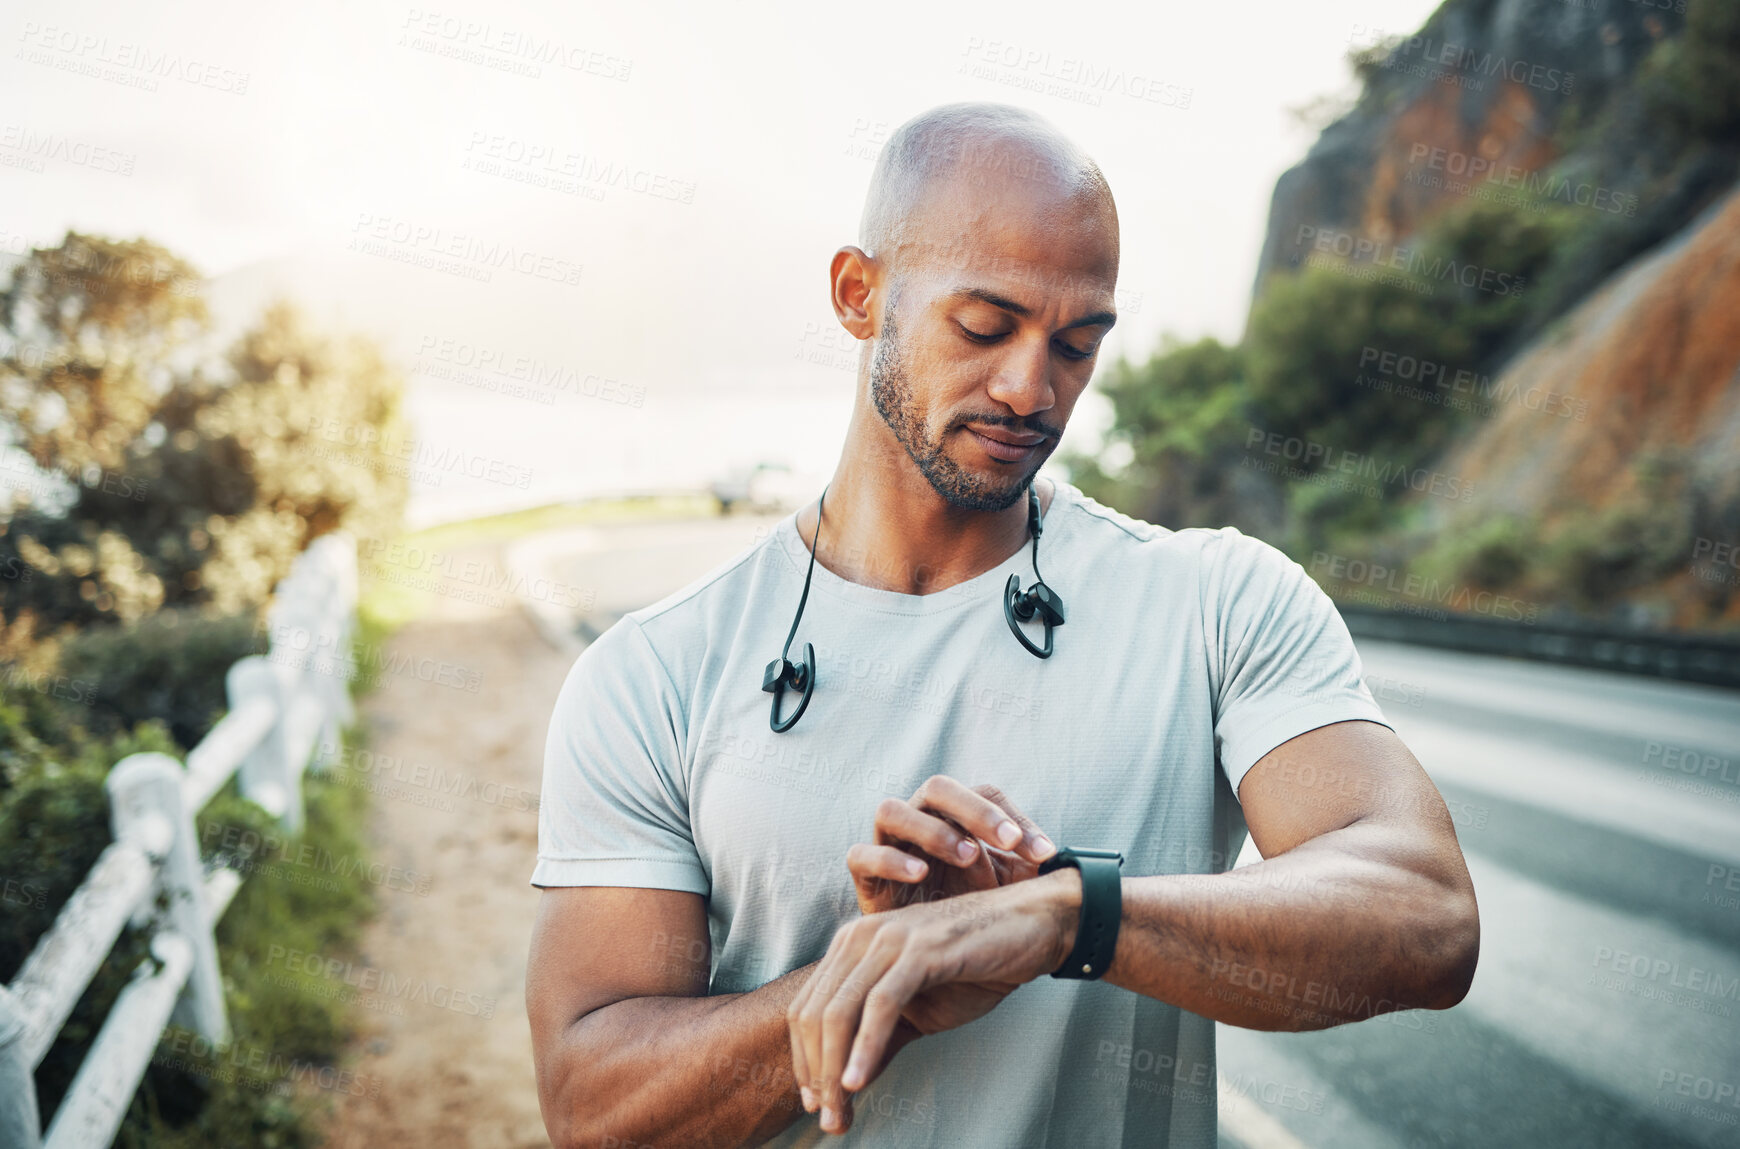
{"x": 896, "y": 870}
{"x": 899, "y": 869}
{"x": 942, "y": 817}
{"x": 843, "y": 1018}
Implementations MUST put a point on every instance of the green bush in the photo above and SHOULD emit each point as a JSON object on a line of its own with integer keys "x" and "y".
{"x": 1691, "y": 83}
{"x": 245, "y": 1094}
{"x": 1311, "y": 344}
{"x": 1523, "y": 240}
{"x": 1496, "y": 553}
{"x": 1595, "y": 557}
{"x": 1182, "y": 416}
{"x": 168, "y": 667}
{"x": 54, "y": 822}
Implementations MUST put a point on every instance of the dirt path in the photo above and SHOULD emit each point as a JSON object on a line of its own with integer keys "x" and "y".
{"x": 448, "y": 1075}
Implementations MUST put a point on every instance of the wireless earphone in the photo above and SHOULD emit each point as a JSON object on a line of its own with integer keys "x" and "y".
{"x": 780, "y": 673}
{"x": 1018, "y": 606}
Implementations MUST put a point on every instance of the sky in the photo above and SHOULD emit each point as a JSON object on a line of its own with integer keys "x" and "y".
{"x": 671, "y": 181}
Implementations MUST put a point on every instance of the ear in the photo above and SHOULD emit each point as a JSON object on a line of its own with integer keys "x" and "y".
{"x": 853, "y": 278}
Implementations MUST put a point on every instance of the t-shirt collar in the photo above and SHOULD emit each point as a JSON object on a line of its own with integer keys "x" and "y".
{"x": 985, "y": 586}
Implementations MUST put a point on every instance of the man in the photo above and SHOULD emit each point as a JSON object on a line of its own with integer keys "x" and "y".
{"x": 730, "y": 939}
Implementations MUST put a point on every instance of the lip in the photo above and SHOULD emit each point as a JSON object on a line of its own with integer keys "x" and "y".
{"x": 1006, "y": 446}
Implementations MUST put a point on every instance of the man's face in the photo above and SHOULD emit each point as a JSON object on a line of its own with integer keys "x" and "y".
{"x": 989, "y": 340}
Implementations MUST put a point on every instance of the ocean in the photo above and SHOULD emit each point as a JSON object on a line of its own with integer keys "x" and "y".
{"x": 485, "y": 453}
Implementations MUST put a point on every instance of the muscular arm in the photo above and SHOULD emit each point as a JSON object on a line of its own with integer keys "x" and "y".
{"x": 627, "y": 1044}
{"x": 1361, "y": 905}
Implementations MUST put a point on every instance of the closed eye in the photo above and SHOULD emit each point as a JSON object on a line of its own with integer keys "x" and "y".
{"x": 1063, "y": 346}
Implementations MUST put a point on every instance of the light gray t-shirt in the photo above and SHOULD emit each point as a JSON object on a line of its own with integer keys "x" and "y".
{"x": 1187, "y": 656}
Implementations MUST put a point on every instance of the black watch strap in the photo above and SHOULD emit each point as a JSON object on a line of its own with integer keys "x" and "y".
{"x": 1102, "y": 909}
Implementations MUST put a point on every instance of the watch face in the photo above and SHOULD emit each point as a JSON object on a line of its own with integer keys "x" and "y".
{"x": 1084, "y": 852}
{"x": 1072, "y": 856}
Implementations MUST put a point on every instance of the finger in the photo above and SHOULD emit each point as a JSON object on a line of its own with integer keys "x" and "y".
{"x": 976, "y": 813}
{"x": 867, "y": 862}
{"x": 805, "y": 1029}
{"x": 899, "y": 983}
{"x": 898, "y": 821}
{"x": 841, "y": 1017}
{"x": 843, "y": 954}
{"x": 1034, "y": 844}
{"x": 803, "y": 1060}
{"x": 839, "y": 1021}
{"x": 800, "y": 1071}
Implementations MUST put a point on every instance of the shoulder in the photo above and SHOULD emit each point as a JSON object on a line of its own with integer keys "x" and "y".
{"x": 1213, "y": 550}
{"x": 1229, "y": 571}
{"x": 1235, "y": 558}
{"x": 1246, "y": 578}
{"x": 1071, "y": 509}
{"x": 618, "y": 672}
{"x": 669, "y": 633}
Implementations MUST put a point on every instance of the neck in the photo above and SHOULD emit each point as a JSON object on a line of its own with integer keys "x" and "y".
{"x": 886, "y": 527}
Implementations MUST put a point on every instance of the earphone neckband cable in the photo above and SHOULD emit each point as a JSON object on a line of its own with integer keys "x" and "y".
{"x": 781, "y": 673}
{"x": 1018, "y": 606}
{"x": 815, "y": 540}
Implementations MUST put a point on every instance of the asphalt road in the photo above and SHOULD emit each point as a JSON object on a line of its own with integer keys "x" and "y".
{"x": 1600, "y": 815}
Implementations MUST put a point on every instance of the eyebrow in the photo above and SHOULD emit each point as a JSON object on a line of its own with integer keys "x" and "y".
{"x": 1108, "y": 318}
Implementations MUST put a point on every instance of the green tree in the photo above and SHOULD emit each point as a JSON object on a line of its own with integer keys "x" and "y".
{"x": 1317, "y": 339}
{"x": 1181, "y": 418}
{"x": 92, "y": 328}
{"x": 197, "y": 477}
{"x": 1691, "y": 83}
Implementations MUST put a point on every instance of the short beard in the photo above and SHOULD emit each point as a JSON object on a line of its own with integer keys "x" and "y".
{"x": 891, "y": 391}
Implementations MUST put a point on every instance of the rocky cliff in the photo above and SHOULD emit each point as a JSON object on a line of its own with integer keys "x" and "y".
{"x": 1477, "y": 102}
{"x": 1606, "y": 458}
{"x": 1651, "y": 363}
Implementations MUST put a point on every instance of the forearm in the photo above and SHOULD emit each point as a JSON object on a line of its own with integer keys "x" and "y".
{"x": 700, "y": 1071}
{"x": 681, "y": 1071}
{"x": 1351, "y": 924}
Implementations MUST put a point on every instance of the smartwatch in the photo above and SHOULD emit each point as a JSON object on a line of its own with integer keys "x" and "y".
{"x": 1102, "y": 909}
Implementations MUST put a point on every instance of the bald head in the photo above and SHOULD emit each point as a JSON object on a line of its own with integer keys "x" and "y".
{"x": 988, "y": 152}
{"x": 983, "y": 287}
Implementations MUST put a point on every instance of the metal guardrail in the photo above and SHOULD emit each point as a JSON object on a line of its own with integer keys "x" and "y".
{"x": 282, "y": 706}
{"x": 1710, "y": 659}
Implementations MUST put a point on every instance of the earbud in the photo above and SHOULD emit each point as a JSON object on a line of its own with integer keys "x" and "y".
{"x": 782, "y": 673}
{"x": 1042, "y": 600}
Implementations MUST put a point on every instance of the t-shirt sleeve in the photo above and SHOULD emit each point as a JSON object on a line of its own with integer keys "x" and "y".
{"x": 614, "y": 809}
{"x": 1281, "y": 659}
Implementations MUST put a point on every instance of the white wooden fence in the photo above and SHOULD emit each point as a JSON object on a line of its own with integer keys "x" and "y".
{"x": 282, "y": 706}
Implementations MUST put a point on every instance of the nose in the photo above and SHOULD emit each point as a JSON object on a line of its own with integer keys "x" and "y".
{"x": 1023, "y": 378}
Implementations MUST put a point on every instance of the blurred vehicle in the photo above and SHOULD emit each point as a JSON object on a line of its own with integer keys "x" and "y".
{"x": 765, "y": 488}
